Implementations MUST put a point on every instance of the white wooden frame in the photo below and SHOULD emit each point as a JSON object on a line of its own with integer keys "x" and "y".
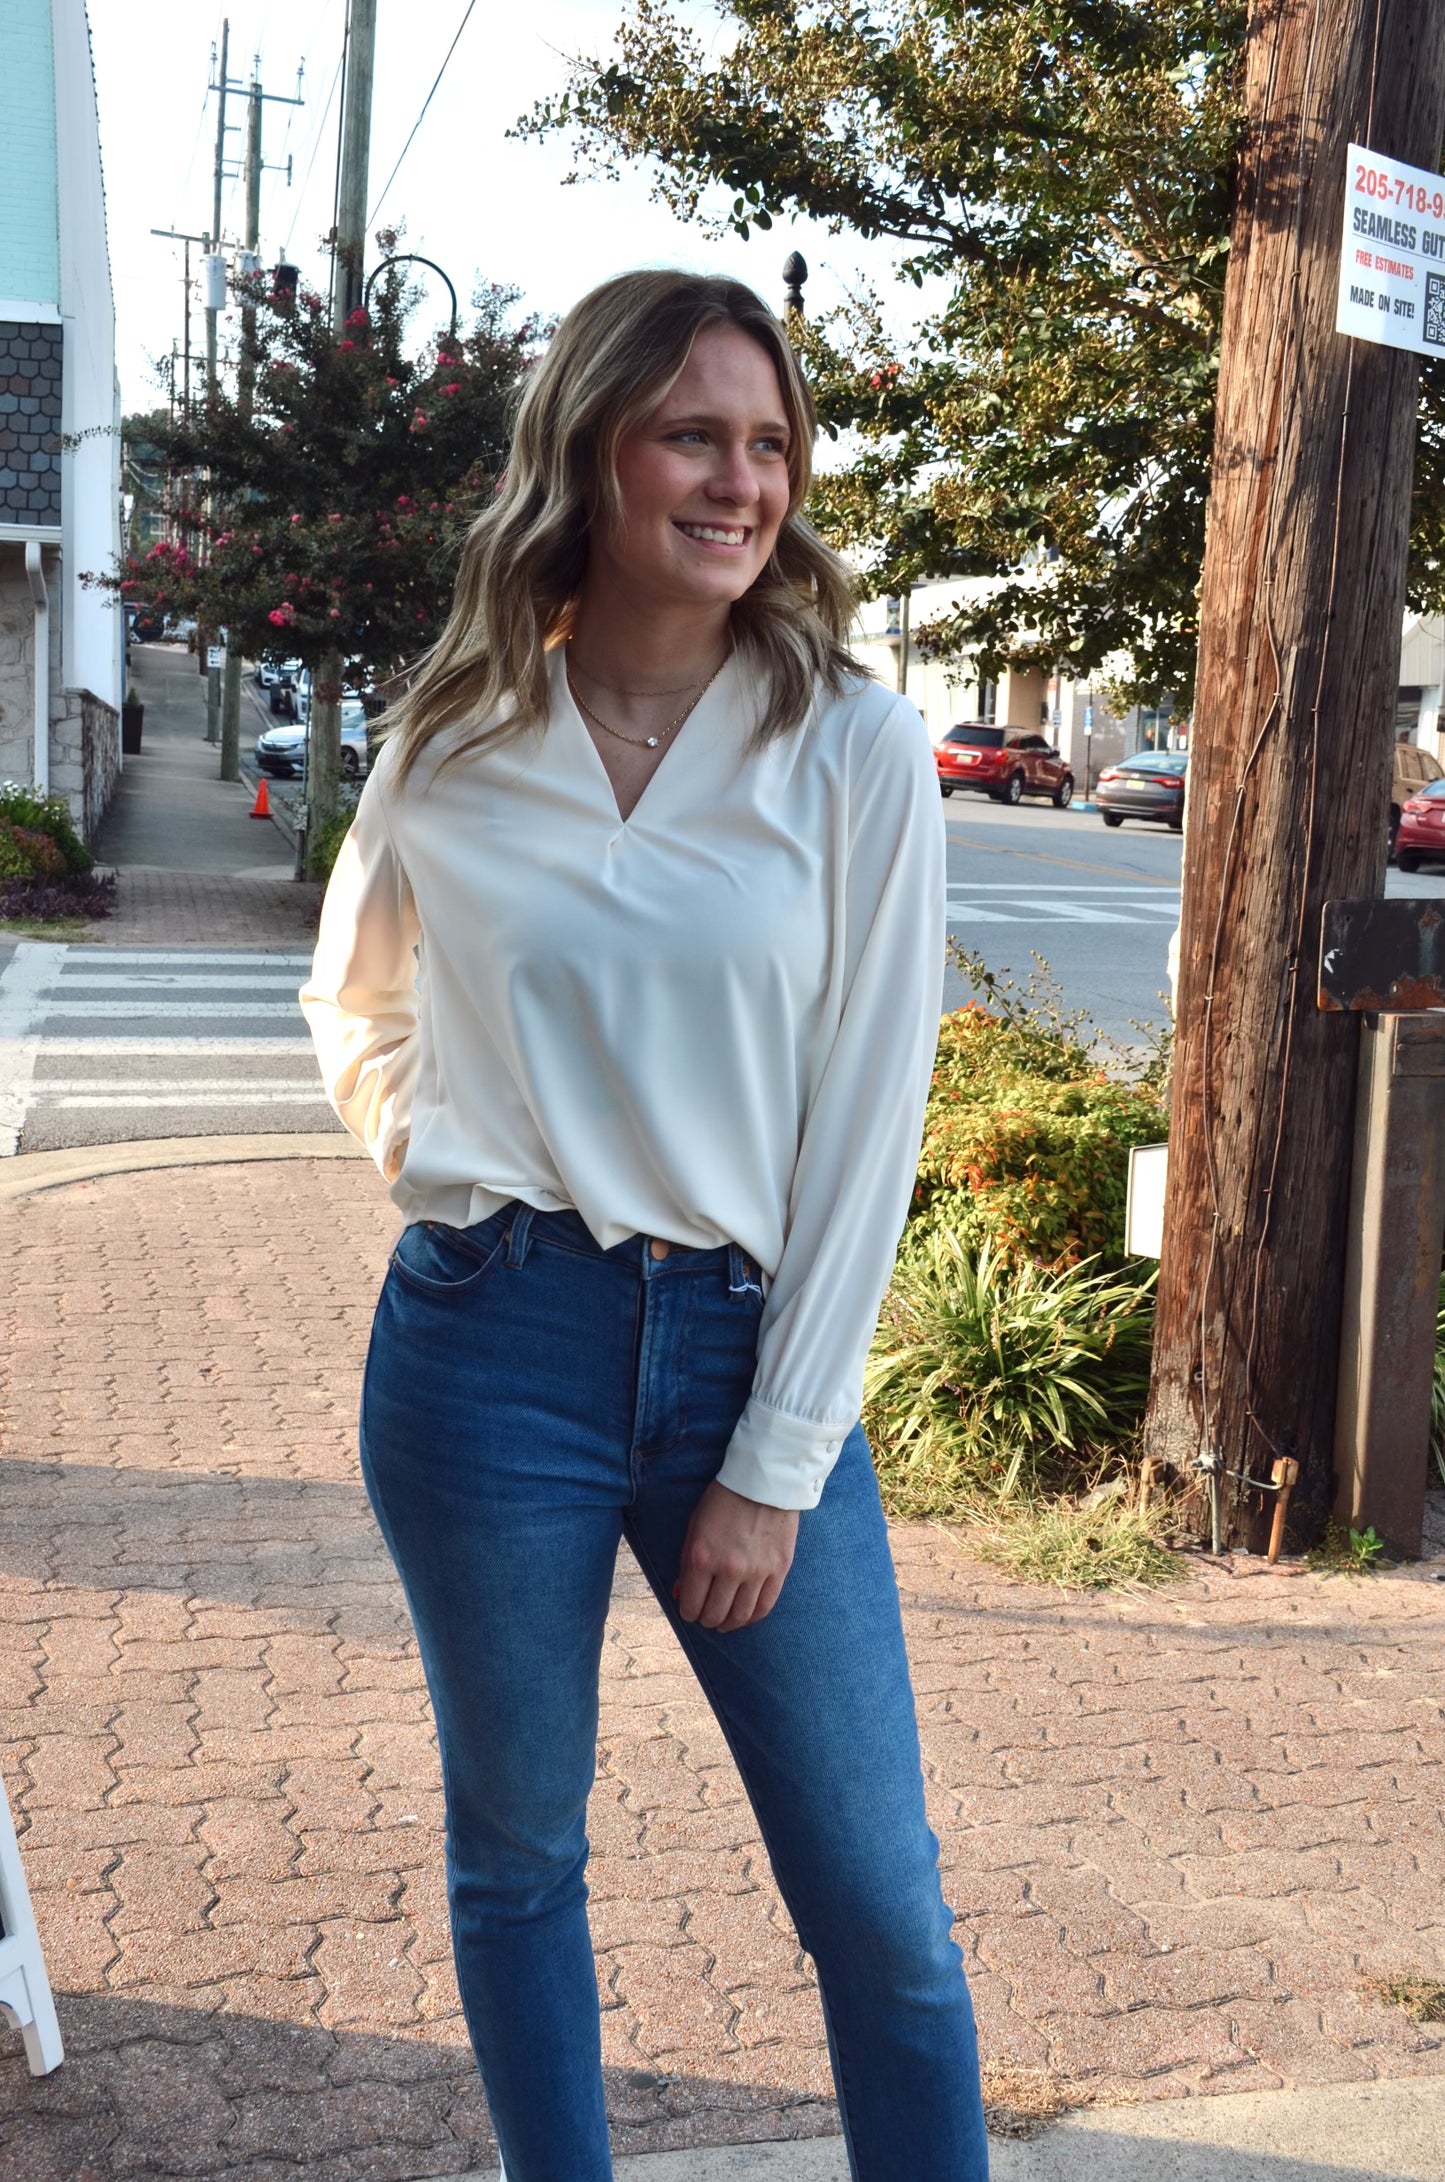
{"x": 25, "y": 1997}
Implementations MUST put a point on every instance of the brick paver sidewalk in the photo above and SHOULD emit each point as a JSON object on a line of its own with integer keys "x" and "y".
{"x": 1179, "y": 1828}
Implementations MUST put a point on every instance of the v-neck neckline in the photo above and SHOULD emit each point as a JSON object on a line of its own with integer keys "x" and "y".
{"x": 565, "y": 703}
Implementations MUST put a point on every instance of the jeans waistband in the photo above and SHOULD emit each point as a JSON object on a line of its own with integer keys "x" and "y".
{"x": 525, "y": 1224}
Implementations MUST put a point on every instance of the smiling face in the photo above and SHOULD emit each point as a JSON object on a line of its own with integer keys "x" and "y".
{"x": 704, "y": 482}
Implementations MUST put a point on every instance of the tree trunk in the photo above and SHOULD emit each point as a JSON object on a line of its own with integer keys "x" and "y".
{"x": 323, "y": 750}
{"x": 1303, "y": 595}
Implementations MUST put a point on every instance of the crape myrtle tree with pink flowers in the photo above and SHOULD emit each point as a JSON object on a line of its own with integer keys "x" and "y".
{"x": 336, "y": 508}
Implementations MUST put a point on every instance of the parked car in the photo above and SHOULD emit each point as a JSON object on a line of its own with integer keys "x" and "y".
{"x": 1415, "y": 769}
{"x": 147, "y": 627}
{"x": 270, "y": 673}
{"x": 1421, "y": 835}
{"x": 1149, "y": 785}
{"x": 1006, "y": 763}
{"x": 281, "y": 751}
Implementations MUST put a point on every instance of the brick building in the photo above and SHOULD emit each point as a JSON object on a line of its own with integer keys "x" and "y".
{"x": 62, "y": 648}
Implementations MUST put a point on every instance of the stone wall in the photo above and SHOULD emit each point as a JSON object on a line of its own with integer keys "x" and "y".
{"x": 84, "y": 730}
{"x": 84, "y": 755}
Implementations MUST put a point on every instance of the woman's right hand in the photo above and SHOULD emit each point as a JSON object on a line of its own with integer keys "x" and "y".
{"x": 735, "y": 1558}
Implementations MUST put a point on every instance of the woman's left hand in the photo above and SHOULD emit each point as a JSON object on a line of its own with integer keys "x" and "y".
{"x": 734, "y": 1559}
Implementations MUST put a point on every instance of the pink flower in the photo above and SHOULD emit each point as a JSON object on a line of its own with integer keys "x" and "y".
{"x": 295, "y": 518}
{"x": 454, "y": 388}
{"x": 346, "y": 348}
{"x": 357, "y": 317}
{"x": 335, "y": 614}
{"x": 279, "y": 616}
{"x": 333, "y": 518}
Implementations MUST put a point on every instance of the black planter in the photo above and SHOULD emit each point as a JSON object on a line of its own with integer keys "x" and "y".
{"x": 131, "y": 717}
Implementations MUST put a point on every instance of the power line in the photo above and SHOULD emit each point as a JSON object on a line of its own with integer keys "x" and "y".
{"x": 311, "y": 162}
{"x": 421, "y": 117}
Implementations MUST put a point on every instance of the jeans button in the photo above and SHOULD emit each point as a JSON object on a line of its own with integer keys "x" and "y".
{"x": 658, "y": 1247}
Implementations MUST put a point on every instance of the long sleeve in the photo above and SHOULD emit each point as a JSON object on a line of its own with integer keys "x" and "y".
{"x": 360, "y": 1001}
{"x": 860, "y": 1138}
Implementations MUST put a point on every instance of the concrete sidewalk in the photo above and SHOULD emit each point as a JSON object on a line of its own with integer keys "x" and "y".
{"x": 1183, "y": 1830}
{"x": 196, "y": 868}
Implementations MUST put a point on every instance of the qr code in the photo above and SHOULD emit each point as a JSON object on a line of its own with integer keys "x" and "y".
{"x": 1433, "y": 330}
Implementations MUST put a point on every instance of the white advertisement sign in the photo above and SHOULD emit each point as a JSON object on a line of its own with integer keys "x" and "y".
{"x": 1392, "y": 263}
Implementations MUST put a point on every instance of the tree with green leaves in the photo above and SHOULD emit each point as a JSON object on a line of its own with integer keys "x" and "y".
{"x": 336, "y": 507}
{"x": 1066, "y": 169}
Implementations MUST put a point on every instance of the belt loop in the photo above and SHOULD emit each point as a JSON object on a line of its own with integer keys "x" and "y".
{"x": 519, "y": 1234}
{"x": 742, "y": 1278}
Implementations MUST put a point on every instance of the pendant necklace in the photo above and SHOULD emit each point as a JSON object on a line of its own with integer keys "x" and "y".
{"x": 645, "y": 742}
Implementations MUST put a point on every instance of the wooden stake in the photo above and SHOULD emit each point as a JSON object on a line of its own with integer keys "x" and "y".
{"x": 1285, "y": 1473}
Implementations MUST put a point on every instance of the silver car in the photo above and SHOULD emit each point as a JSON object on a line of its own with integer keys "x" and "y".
{"x": 281, "y": 751}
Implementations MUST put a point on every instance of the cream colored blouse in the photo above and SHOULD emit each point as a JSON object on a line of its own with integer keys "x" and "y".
{"x": 711, "y": 1022}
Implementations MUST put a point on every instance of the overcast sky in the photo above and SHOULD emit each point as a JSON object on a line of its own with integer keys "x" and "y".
{"x": 477, "y": 202}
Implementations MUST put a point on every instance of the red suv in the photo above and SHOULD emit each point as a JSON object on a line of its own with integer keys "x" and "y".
{"x": 1006, "y": 763}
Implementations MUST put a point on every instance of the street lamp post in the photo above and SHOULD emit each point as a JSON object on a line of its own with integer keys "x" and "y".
{"x": 411, "y": 257}
{"x": 795, "y": 272}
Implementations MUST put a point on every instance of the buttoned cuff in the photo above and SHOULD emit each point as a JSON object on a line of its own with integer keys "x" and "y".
{"x": 780, "y": 1460}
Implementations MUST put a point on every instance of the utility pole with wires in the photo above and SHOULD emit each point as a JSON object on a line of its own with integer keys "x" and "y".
{"x": 1301, "y": 606}
{"x": 323, "y": 739}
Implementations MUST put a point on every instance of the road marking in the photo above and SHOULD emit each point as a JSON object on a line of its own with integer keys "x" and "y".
{"x": 121, "y": 1085}
{"x": 27, "y": 979}
{"x": 192, "y": 1010}
{"x": 178, "y": 980}
{"x": 299, "y": 1096}
{"x": 1041, "y": 856}
{"x": 156, "y": 957}
{"x": 158, "y": 1048}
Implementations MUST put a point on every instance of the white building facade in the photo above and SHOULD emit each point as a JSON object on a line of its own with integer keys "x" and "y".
{"x": 62, "y": 644}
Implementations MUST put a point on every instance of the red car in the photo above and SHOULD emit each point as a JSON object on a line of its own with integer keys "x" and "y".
{"x": 1421, "y": 838}
{"x": 1006, "y": 763}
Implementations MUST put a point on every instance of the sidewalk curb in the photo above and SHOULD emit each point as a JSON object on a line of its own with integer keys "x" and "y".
{"x": 30, "y": 1172}
{"x": 1391, "y": 2131}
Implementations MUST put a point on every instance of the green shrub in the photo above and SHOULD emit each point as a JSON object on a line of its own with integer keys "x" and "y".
{"x": 1026, "y": 1140}
{"x": 991, "y": 1375}
{"x": 21, "y": 808}
{"x": 28, "y": 854}
{"x": 326, "y": 846}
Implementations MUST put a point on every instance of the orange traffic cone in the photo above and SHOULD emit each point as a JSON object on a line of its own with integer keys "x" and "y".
{"x": 261, "y": 808}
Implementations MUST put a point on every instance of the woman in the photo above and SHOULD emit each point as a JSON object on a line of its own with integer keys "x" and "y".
{"x": 628, "y": 977}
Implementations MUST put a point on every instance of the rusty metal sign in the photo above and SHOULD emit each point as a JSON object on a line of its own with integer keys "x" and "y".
{"x": 1383, "y": 957}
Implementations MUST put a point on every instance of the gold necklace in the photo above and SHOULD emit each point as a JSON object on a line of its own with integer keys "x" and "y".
{"x": 613, "y": 691}
{"x": 644, "y": 742}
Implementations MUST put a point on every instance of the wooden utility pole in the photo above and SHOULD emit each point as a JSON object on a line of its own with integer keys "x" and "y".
{"x": 245, "y": 393}
{"x": 323, "y": 740}
{"x": 1303, "y": 595}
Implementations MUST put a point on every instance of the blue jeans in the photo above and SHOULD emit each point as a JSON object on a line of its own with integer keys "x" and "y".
{"x": 531, "y": 1399}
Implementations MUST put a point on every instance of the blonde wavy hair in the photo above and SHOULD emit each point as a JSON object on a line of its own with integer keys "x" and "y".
{"x": 612, "y": 360}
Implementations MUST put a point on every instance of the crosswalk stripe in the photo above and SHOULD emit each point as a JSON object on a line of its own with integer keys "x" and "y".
{"x": 48, "y": 1086}
{"x": 151, "y": 957}
{"x": 175, "y": 980}
{"x": 190, "y": 1011}
{"x": 273, "y": 1048}
{"x": 300, "y": 1096}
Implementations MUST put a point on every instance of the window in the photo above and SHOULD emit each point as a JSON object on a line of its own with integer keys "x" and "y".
{"x": 976, "y": 738}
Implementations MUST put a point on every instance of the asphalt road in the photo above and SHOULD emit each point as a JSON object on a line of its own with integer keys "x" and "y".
{"x": 1098, "y": 904}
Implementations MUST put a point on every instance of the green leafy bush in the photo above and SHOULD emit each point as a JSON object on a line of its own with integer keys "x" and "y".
{"x": 26, "y": 854}
{"x": 992, "y": 1376}
{"x": 325, "y": 846}
{"x": 26, "y": 820}
{"x": 1026, "y": 1139}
